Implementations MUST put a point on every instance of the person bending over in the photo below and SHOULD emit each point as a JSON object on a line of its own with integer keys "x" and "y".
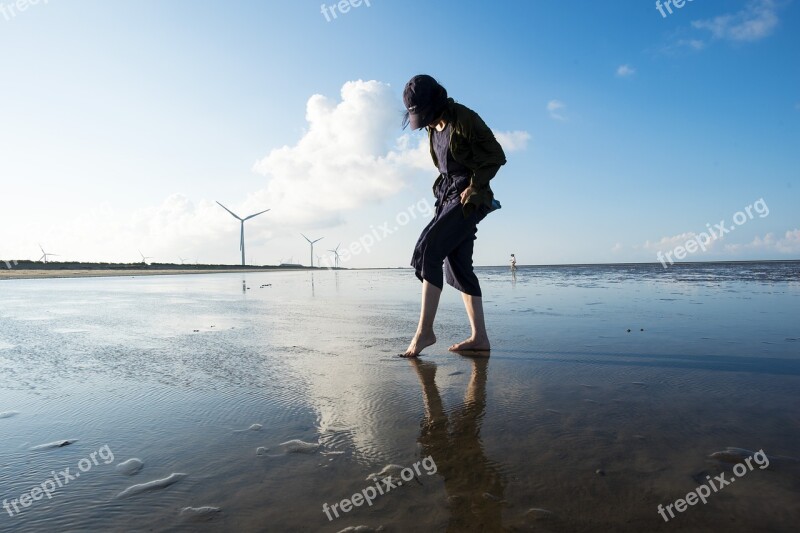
{"x": 467, "y": 156}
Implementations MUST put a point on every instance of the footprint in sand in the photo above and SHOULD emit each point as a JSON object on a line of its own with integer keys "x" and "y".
{"x": 130, "y": 467}
{"x": 298, "y": 446}
{"x": 8, "y": 414}
{"x": 56, "y": 444}
{"x": 739, "y": 455}
{"x": 388, "y": 470}
{"x": 254, "y": 427}
{"x": 205, "y": 513}
{"x": 291, "y": 446}
{"x": 537, "y": 513}
{"x": 151, "y": 486}
{"x": 393, "y": 471}
{"x": 361, "y": 529}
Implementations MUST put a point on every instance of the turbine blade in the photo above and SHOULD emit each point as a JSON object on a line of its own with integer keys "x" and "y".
{"x": 318, "y": 240}
{"x": 306, "y": 238}
{"x": 259, "y": 213}
{"x": 229, "y": 211}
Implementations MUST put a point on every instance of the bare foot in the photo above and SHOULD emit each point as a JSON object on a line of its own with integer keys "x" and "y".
{"x": 472, "y": 345}
{"x": 419, "y": 343}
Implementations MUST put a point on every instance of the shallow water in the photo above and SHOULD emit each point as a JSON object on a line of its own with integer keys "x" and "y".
{"x": 176, "y": 371}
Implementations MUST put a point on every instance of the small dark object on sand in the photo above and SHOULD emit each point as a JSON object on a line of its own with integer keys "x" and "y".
{"x": 629, "y": 331}
{"x": 600, "y": 472}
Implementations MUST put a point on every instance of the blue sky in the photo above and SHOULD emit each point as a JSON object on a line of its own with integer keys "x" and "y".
{"x": 626, "y": 132}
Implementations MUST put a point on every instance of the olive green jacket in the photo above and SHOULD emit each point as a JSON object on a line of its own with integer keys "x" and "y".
{"x": 473, "y": 145}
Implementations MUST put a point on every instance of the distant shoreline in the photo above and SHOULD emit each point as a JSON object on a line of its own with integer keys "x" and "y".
{"x": 94, "y": 271}
{"x": 33, "y": 270}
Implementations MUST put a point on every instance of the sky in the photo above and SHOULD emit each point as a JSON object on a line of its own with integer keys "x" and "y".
{"x": 630, "y": 131}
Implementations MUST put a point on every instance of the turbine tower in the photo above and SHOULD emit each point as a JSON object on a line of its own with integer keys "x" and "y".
{"x": 45, "y": 255}
{"x": 312, "y": 247}
{"x": 336, "y": 255}
{"x": 242, "y": 220}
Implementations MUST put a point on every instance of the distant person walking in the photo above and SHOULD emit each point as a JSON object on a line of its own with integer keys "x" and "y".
{"x": 467, "y": 156}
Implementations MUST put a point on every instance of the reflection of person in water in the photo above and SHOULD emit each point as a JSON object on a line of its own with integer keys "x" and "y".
{"x": 473, "y": 483}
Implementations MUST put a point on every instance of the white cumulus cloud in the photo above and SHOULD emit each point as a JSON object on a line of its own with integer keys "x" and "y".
{"x": 789, "y": 243}
{"x": 351, "y": 155}
{"x": 512, "y": 141}
{"x": 348, "y": 156}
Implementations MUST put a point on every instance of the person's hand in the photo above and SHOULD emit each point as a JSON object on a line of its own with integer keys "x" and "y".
{"x": 469, "y": 190}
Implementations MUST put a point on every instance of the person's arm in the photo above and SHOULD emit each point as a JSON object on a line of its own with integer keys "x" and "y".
{"x": 487, "y": 151}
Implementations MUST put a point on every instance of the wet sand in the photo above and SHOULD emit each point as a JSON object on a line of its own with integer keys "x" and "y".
{"x": 248, "y": 409}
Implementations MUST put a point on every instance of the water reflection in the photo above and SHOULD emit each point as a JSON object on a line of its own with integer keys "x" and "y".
{"x": 474, "y": 484}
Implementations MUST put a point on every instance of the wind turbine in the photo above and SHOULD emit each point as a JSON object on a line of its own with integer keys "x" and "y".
{"x": 336, "y": 255}
{"x": 242, "y": 220}
{"x": 45, "y": 255}
{"x": 312, "y": 247}
{"x": 144, "y": 259}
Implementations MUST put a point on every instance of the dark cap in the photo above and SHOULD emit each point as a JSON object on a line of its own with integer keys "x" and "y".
{"x": 424, "y": 99}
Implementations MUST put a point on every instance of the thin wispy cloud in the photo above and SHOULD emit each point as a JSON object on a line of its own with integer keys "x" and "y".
{"x": 756, "y": 21}
{"x": 694, "y": 44}
{"x": 670, "y": 242}
{"x": 556, "y": 109}
{"x": 625, "y": 71}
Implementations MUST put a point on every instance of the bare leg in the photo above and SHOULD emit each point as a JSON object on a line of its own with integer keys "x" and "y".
{"x": 424, "y": 336}
{"x": 479, "y": 340}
